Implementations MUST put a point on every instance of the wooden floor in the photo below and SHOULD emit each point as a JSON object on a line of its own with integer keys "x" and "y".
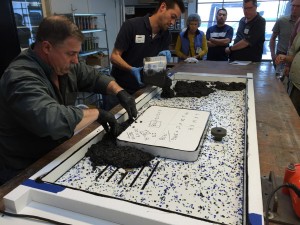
{"x": 278, "y": 124}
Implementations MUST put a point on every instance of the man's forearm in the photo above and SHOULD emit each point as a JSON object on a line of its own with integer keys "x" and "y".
{"x": 220, "y": 42}
{"x": 210, "y": 44}
{"x": 117, "y": 60}
{"x": 240, "y": 45}
{"x": 89, "y": 116}
{"x": 272, "y": 47}
{"x": 113, "y": 88}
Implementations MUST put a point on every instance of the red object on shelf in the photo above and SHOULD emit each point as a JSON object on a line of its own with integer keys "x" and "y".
{"x": 292, "y": 176}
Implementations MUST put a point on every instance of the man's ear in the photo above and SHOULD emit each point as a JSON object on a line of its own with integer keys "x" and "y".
{"x": 46, "y": 47}
{"x": 163, "y": 7}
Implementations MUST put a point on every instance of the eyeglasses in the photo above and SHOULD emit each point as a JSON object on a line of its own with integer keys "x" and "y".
{"x": 295, "y": 6}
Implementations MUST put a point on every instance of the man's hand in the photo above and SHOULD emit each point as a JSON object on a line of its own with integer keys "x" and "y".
{"x": 136, "y": 72}
{"x": 128, "y": 103}
{"x": 227, "y": 50}
{"x": 166, "y": 53}
{"x": 109, "y": 122}
{"x": 280, "y": 59}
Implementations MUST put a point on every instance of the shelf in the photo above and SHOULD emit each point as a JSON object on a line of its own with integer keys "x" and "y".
{"x": 88, "y": 14}
{"x": 33, "y": 3}
{"x": 91, "y": 52}
{"x": 104, "y": 69}
{"x": 91, "y": 25}
{"x": 28, "y": 15}
{"x": 93, "y": 30}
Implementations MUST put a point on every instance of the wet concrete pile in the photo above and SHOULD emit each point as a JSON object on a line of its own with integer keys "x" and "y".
{"x": 106, "y": 152}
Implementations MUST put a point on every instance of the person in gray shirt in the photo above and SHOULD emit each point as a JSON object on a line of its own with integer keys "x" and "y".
{"x": 282, "y": 30}
{"x": 36, "y": 113}
{"x": 293, "y": 59}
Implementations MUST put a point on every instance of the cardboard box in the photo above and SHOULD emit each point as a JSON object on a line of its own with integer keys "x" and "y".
{"x": 101, "y": 60}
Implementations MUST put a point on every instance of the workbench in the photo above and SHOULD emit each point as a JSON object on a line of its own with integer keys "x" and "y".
{"x": 278, "y": 124}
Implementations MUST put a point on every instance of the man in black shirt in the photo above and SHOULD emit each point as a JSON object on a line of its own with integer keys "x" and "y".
{"x": 138, "y": 38}
{"x": 142, "y": 37}
{"x": 250, "y": 37}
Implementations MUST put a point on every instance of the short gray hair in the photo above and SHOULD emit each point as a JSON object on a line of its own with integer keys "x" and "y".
{"x": 56, "y": 29}
{"x": 193, "y": 17}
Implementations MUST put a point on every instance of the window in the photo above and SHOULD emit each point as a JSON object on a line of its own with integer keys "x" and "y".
{"x": 28, "y": 15}
{"x": 270, "y": 10}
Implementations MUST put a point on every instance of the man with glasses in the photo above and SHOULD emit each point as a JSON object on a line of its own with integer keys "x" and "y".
{"x": 283, "y": 29}
{"x": 142, "y": 37}
{"x": 250, "y": 37}
{"x": 218, "y": 37}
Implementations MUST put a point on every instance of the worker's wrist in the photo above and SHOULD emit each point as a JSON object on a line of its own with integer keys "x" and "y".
{"x": 113, "y": 88}
{"x": 230, "y": 48}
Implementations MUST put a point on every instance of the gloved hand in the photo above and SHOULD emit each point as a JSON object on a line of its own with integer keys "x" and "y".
{"x": 136, "y": 72}
{"x": 109, "y": 122}
{"x": 166, "y": 53}
{"x": 128, "y": 103}
{"x": 156, "y": 78}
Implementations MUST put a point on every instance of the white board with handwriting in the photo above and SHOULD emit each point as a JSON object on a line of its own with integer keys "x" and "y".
{"x": 167, "y": 132}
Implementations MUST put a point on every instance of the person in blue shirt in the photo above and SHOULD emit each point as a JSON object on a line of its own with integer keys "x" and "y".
{"x": 191, "y": 42}
{"x": 218, "y": 37}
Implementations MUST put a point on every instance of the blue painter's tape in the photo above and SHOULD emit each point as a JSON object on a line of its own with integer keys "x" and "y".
{"x": 43, "y": 186}
{"x": 255, "y": 219}
{"x": 170, "y": 74}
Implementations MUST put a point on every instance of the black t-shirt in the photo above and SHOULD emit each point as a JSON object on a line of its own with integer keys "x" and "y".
{"x": 254, "y": 33}
{"x": 135, "y": 39}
